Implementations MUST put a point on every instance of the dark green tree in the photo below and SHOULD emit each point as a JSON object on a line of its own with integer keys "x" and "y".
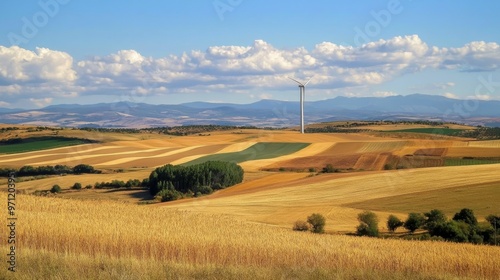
{"x": 55, "y": 189}
{"x": 452, "y": 231}
{"x": 317, "y": 222}
{"x": 494, "y": 221}
{"x": 393, "y": 223}
{"x": 27, "y": 171}
{"x": 414, "y": 222}
{"x": 77, "y": 186}
{"x": 433, "y": 218}
{"x": 83, "y": 168}
{"x": 467, "y": 216}
{"x": 368, "y": 224}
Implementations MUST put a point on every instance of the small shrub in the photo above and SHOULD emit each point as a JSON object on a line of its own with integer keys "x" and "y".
{"x": 88, "y": 186}
{"x": 368, "y": 224}
{"x": 317, "y": 222}
{"x": 55, "y": 189}
{"x": 204, "y": 190}
{"x": 217, "y": 186}
{"x": 168, "y": 195}
{"x": 393, "y": 223}
{"x": 301, "y": 226}
{"x": 330, "y": 169}
{"x": 77, "y": 186}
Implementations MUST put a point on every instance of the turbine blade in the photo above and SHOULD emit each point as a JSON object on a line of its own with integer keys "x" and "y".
{"x": 295, "y": 81}
{"x": 308, "y": 81}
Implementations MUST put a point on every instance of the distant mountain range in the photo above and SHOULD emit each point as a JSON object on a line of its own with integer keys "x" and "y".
{"x": 264, "y": 113}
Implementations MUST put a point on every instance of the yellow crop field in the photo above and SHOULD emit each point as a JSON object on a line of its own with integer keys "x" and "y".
{"x": 380, "y": 147}
{"x": 67, "y": 181}
{"x": 329, "y": 193}
{"x": 489, "y": 143}
{"x": 66, "y": 239}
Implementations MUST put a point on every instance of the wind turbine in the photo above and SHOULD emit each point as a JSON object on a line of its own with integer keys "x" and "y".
{"x": 302, "y": 90}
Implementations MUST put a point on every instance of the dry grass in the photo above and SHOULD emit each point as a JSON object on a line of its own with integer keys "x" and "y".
{"x": 489, "y": 144}
{"x": 59, "y": 239}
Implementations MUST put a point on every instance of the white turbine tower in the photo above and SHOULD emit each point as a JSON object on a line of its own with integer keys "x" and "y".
{"x": 302, "y": 90}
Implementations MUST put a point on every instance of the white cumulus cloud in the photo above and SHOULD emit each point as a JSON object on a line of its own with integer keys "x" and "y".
{"x": 42, "y": 74}
{"x": 42, "y": 65}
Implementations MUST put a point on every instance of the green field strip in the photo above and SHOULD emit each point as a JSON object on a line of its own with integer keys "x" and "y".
{"x": 263, "y": 150}
{"x": 476, "y": 161}
{"x": 438, "y": 131}
{"x": 40, "y": 143}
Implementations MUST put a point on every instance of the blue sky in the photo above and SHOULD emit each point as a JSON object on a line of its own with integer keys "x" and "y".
{"x": 241, "y": 51}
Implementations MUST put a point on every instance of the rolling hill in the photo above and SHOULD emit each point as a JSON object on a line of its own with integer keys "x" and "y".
{"x": 264, "y": 113}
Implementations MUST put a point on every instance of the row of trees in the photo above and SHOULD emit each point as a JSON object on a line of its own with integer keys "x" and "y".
{"x": 463, "y": 227}
{"x": 132, "y": 183}
{"x": 110, "y": 130}
{"x": 171, "y": 182}
{"x": 333, "y": 129}
{"x": 116, "y": 184}
{"x": 194, "y": 129}
{"x": 49, "y": 170}
{"x": 483, "y": 133}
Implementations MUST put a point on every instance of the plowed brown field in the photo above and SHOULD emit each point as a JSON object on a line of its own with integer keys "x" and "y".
{"x": 473, "y": 152}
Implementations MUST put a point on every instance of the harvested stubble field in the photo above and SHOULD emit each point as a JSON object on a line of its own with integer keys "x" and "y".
{"x": 66, "y": 239}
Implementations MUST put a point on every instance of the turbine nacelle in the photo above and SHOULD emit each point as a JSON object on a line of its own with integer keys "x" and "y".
{"x": 300, "y": 84}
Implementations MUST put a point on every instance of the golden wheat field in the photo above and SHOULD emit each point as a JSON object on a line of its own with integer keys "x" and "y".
{"x": 245, "y": 231}
{"x": 104, "y": 240}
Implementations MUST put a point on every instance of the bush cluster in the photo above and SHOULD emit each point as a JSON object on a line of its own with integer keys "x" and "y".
{"x": 315, "y": 223}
